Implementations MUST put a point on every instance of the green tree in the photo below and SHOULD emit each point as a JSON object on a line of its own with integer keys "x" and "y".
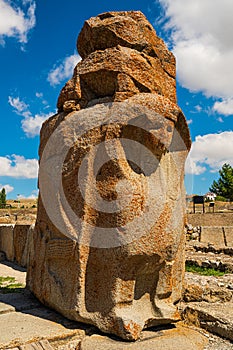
{"x": 3, "y": 198}
{"x": 224, "y": 186}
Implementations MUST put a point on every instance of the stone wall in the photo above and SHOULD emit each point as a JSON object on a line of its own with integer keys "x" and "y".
{"x": 15, "y": 242}
{"x": 219, "y": 236}
{"x": 210, "y": 219}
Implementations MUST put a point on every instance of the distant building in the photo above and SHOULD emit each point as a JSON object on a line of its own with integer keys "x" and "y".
{"x": 210, "y": 196}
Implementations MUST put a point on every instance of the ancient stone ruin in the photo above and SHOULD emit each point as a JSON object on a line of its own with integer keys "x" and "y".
{"x": 109, "y": 237}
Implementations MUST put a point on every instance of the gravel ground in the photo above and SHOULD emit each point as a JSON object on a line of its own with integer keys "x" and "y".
{"x": 217, "y": 343}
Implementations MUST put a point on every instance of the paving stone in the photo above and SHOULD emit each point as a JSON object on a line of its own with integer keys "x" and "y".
{"x": 181, "y": 338}
{"x": 8, "y": 268}
{"x": 216, "y": 318}
{"x": 18, "y": 301}
{"x": 5, "y": 308}
{"x": 18, "y": 328}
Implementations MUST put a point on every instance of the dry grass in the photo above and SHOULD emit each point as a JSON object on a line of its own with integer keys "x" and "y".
{"x": 23, "y": 212}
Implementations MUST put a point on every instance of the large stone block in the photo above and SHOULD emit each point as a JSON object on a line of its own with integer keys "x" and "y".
{"x": 16, "y": 242}
{"x": 108, "y": 246}
{"x": 7, "y": 241}
{"x": 20, "y": 243}
{"x": 212, "y": 235}
{"x": 228, "y": 230}
{"x": 122, "y": 56}
{"x": 128, "y": 29}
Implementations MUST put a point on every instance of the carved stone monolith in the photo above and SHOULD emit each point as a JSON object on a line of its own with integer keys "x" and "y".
{"x": 109, "y": 236}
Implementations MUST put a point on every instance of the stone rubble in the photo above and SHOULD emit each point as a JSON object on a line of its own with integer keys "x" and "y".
{"x": 208, "y": 256}
{"x": 208, "y": 288}
{"x": 208, "y": 300}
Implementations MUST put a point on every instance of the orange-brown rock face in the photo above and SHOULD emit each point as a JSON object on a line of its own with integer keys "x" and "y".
{"x": 109, "y": 242}
{"x": 122, "y": 56}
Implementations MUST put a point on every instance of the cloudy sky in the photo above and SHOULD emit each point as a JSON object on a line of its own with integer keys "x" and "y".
{"x": 38, "y": 53}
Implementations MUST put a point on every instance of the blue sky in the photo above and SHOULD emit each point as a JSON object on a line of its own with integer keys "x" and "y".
{"x": 38, "y": 54}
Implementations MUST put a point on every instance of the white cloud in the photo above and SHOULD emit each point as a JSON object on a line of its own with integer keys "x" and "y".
{"x": 31, "y": 125}
{"x": 220, "y": 120}
{"x": 20, "y": 107}
{"x": 16, "y": 21}
{"x": 18, "y": 167}
{"x": 212, "y": 150}
{"x": 198, "y": 108}
{"x": 224, "y": 107}
{"x": 39, "y": 94}
{"x": 33, "y": 195}
{"x": 189, "y": 121}
{"x": 201, "y": 36}
{"x": 192, "y": 166}
{"x": 64, "y": 70}
{"x": 7, "y": 187}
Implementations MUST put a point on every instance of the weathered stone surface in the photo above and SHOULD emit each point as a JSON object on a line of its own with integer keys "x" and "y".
{"x": 207, "y": 288}
{"x": 6, "y": 308}
{"x": 40, "y": 345}
{"x": 228, "y": 231}
{"x": 117, "y": 73}
{"x": 213, "y": 235}
{"x": 2, "y": 256}
{"x": 18, "y": 302}
{"x": 7, "y": 241}
{"x": 19, "y": 328}
{"x": 10, "y": 269}
{"x": 210, "y": 219}
{"x": 122, "y": 56}
{"x": 129, "y": 29}
{"x": 16, "y": 241}
{"x": 195, "y": 246}
{"x": 114, "y": 257}
{"x": 216, "y": 318}
{"x": 210, "y": 257}
{"x": 20, "y": 239}
{"x": 181, "y": 338}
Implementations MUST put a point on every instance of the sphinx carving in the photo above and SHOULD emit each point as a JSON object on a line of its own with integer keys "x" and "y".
{"x": 109, "y": 236}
